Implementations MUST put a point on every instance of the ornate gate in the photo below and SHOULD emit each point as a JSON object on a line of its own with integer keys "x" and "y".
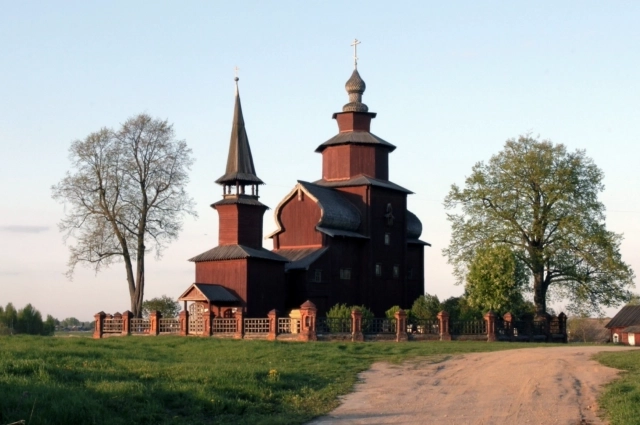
{"x": 196, "y": 321}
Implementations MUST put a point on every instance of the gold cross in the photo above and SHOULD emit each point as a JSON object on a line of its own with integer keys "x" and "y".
{"x": 355, "y": 52}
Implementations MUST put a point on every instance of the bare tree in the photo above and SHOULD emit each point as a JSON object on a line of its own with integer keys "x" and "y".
{"x": 125, "y": 197}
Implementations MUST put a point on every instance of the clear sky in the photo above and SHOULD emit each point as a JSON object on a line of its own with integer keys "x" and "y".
{"x": 450, "y": 81}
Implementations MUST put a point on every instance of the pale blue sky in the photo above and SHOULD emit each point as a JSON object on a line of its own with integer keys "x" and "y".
{"x": 450, "y": 81}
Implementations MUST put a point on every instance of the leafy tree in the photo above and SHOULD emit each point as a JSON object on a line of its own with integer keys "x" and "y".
{"x": 125, "y": 197}
{"x": 164, "y": 304}
{"x": 495, "y": 280}
{"x": 10, "y": 318}
{"x": 29, "y": 321}
{"x": 391, "y": 313}
{"x": 49, "y": 326}
{"x": 635, "y": 300}
{"x": 541, "y": 201}
{"x": 426, "y": 307}
{"x": 460, "y": 309}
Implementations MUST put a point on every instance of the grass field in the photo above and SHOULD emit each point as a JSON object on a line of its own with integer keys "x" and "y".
{"x": 174, "y": 380}
{"x": 621, "y": 398}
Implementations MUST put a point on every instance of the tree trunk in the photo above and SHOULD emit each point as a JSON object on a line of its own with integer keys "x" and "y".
{"x": 540, "y": 293}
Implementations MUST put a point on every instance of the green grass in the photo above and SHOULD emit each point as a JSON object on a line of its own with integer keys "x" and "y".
{"x": 173, "y": 380}
{"x": 620, "y": 401}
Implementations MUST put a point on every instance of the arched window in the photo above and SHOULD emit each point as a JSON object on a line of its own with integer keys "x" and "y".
{"x": 616, "y": 338}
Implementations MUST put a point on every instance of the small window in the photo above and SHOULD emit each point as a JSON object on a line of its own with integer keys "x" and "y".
{"x": 317, "y": 275}
{"x": 345, "y": 274}
{"x": 396, "y": 271}
{"x": 410, "y": 273}
{"x": 387, "y": 238}
{"x": 378, "y": 269}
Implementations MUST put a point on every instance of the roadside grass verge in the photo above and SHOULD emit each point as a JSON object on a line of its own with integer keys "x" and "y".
{"x": 620, "y": 400}
{"x": 174, "y": 380}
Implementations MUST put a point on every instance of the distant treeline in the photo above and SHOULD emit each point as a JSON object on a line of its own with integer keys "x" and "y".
{"x": 28, "y": 320}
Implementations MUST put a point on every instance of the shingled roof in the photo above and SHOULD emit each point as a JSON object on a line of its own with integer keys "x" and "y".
{"x": 208, "y": 292}
{"x": 356, "y": 138}
{"x": 628, "y": 316}
{"x": 301, "y": 258}
{"x": 362, "y": 180}
{"x": 236, "y": 252}
{"x": 240, "y": 167}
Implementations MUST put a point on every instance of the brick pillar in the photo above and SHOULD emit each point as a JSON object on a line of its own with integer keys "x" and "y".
{"x": 184, "y": 322}
{"x": 401, "y": 326}
{"x": 443, "y": 318}
{"x": 308, "y": 313}
{"x": 239, "y": 324}
{"x": 154, "y": 322}
{"x": 490, "y": 318}
{"x": 563, "y": 326}
{"x": 508, "y": 324}
{"x": 356, "y": 326}
{"x": 126, "y": 322}
{"x": 207, "y": 319}
{"x": 99, "y": 325}
{"x": 273, "y": 325}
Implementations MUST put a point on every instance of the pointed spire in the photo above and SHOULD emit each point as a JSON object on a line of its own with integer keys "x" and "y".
{"x": 240, "y": 169}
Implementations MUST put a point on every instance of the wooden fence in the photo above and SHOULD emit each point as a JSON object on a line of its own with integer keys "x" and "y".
{"x": 309, "y": 327}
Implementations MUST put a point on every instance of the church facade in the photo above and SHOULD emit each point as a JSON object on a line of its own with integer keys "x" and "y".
{"x": 346, "y": 238}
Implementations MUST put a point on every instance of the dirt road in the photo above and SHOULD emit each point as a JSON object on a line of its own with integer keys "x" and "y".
{"x": 557, "y": 385}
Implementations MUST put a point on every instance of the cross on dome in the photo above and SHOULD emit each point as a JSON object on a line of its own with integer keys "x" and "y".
{"x": 355, "y": 52}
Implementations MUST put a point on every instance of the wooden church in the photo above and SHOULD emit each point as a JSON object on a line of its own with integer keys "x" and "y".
{"x": 345, "y": 238}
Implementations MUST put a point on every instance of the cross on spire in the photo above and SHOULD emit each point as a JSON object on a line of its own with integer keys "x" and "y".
{"x": 236, "y": 69}
{"x": 355, "y": 52}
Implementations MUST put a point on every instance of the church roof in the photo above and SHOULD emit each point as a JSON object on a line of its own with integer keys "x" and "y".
{"x": 301, "y": 258}
{"x": 208, "y": 292}
{"x": 337, "y": 211}
{"x": 362, "y": 180}
{"x": 338, "y": 217}
{"x": 414, "y": 226}
{"x": 357, "y": 138}
{"x": 240, "y": 167}
{"x": 240, "y": 199}
{"x": 236, "y": 252}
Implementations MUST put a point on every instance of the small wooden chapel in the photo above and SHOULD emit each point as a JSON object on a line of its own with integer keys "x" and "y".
{"x": 345, "y": 238}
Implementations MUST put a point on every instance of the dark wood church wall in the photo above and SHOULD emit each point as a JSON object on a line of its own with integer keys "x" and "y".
{"x": 346, "y": 161}
{"x": 266, "y": 287}
{"x": 240, "y": 224}
{"x": 358, "y": 196}
{"x": 299, "y": 217}
{"x": 232, "y": 274}
{"x": 415, "y": 279}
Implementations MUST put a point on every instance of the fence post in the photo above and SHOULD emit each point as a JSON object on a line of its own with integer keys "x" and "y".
{"x": 545, "y": 319}
{"x": 443, "y": 317}
{"x": 154, "y": 323}
{"x": 273, "y": 325}
{"x": 239, "y": 324}
{"x": 401, "y": 326}
{"x": 490, "y": 318}
{"x": 563, "y": 326}
{"x": 308, "y": 326}
{"x": 126, "y": 322}
{"x": 356, "y": 326}
{"x": 99, "y": 325}
{"x": 207, "y": 318}
{"x": 184, "y": 322}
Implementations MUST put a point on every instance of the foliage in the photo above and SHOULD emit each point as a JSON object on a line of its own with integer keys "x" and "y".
{"x": 342, "y": 311}
{"x": 459, "y": 309}
{"x": 166, "y": 305}
{"x": 495, "y": 280}
{"x": 634, "y": 300}
{"x": 180, "y": 381}
{"x": 541, "y": 201}
{"x": 620, "y": 399}
{"x": 587, "y": 329}
{"x": 426, "y": 307}
{"x": 391, "y": 313}
{"x": 27, "y": 320}
{"x": 125, "y": 197}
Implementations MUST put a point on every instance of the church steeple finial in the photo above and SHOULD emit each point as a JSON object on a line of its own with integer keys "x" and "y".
{"x": 240, "y": 170}
{"x": 355, "y": 86}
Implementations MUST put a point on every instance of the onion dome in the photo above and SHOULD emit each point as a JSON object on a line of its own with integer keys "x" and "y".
{"x": 355, "y": 86}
